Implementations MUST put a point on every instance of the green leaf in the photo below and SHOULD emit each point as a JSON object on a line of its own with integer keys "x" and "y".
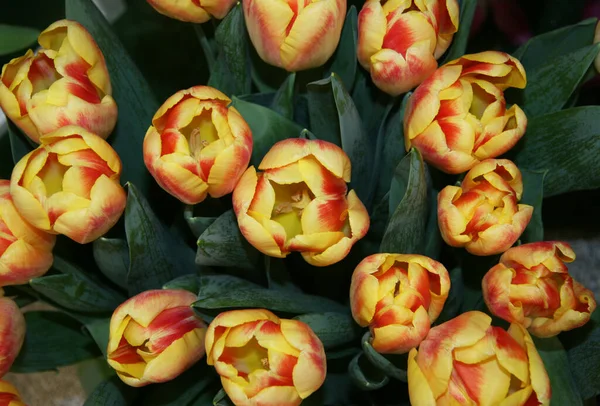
{"x": 99, "y": 329}
{"x": 566, "y": 143}
{"x": 322, "y": 111}
{"x": 268, "y": 127}
{"x": 189, "y": 282}
{"x": 533, "y": 194}
{"x": 16, "y": 38}
{"x": 132, "y": 93}
{"x": 221, "y": 399}
{"x": 19, "y": 144}
{"x": 278, "y": 276}
{"x": 112, "y": 257}
{"x": 222, "y": 244}
{"x": 564, "y": 391}
{"x": 343, "y": 61}
{"x": 453, "y": 305}
{"x": 207, "y": 46}
{"x": 183, "y": 390}
{"x": 380, "y": 361}
{"x": 283, "y": 101}
{"x": 365, "y": 375}
{"x": 231, "y": 73}
{"x": 53, "y": 340}
{"x": 333, "y": 329}
{"x": 156, "y": 255}
{"x": 197, "y": 224}
{"x": 408, "y": 203}
{"x": 227, "y": 292}
{"x": 461, "y": 38}
{"x": 112, "y": 392}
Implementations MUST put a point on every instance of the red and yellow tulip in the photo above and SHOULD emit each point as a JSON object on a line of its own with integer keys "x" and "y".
{"x": 299, "y": 203}
{"x": 197, "y": 145}
{"x": 155, "y": 336}
{"x": 193, "y": 11}
{"x": 483, "y": 214}
{"x": 398, "y": 296}
{"x": 295, "y": 34}
{"x": 70, "y": 185}
{"x": 399, "y": 41}
{"x": 9, "y": 396}
{"x": 458, "y": 116}
{"x": 264, "y": 360}
{"x": 12, "y": 333}
{"x": 25, "y": 251}
{"x": 64, "y": 83}
{"x": 467, "y": 361}
{"x": 531, "y": 286}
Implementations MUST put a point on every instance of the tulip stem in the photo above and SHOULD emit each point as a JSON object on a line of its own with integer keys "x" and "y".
{"x": 206, "y": 48}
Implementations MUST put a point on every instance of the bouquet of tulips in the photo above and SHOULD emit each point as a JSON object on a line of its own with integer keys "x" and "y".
{"x": 344, "y": 210}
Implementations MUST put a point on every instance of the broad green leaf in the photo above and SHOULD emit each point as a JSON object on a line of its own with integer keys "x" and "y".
{"x": 99, "y": 329}
{"x": 189, "y": 282}
{"x": 283, "y": 101}
{"x": 333, "y": 329}
{"x": 322, "y": 111}
{"x": 455, "y": 298}
{"x": 183, "y": 390}
{"x": 53, "y": 340}
{"x": 533, "y": 194}
{"x": 461, "y": 38}
{"x": 16, "y": 38}
{"x": 207, "y": 46}
{"x": 221, "y": 399}
{"x": 380, "y": 361}
{"x": 197, "y": 224}
{"x": 370, "y": 101}
{"x": 408, "y": 203}
{"x": 112, "y": 392}
{"x": 112, "y": 257}
{"x": 433, "y": 238}
{"x": 343, "y": 62}
{"x": 93, "y": 372}
{"x": 231, "y": 73}
{"x": 19, "y": 144}
{"x": 565, "y": 143}
{"x": 268, "y": 127}
{"x": 278, "y": 276}
{"x": 564, "y": 390}
{"x": 222, "y": 244}
{"x": 365, "y": 375}
{"x": 132, "y": 93}
{"x": 156, "y": 256}
{"x": 228, "y": 292}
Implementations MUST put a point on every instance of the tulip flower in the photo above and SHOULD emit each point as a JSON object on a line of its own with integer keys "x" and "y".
{"x": 155, "y": 336}
{"x": 531, "y": 286}
{"x": 299, "y": 203}
{"x": 197, "y": 145}
{"x": 483, "y": 214}
{"x": 64, "y": 83}
{"x": 70, "y": 185}
{"x": 12, "y": 333}
{"x": 458, "y": 116}
{"x": 467, "y": 361}
{"x": 398, "y": 296}
{"x": 9, "y": 396}
{"x": 264, "y": 360}
{"x": 399, "y": 41}
{"x": 25, "y": 251}
{"x": 295, "y": 35}
{"x": 193, "y": 11}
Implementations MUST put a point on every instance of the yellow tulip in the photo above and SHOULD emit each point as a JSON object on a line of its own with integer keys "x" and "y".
{"x": 9, "y": 396}
{"x": 193, "y": 11}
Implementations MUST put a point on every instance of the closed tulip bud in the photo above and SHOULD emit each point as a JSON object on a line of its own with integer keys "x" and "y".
{"x": 9, "y": 396}
{"x": 197, "y": 145}
{"x": 64, "y": 83}
{"x": 467, "y": 361}
{"x": 193, "y": 11}
{"x": 399, "y": 41}
{"x": 264, "y": 360}
{"x": 299, "y": 203}
{"x": 25, "y": 251}
{"x": 531, "y": 286}
{"x": 398, "y": 297}
{"x": 458, "y": 116}
{"x": 295, "y": 34}
{"x": 70, "y": 185}
{"x": 12, "y": 333}
{"x": 483, "y": 214}
{"x": 155, "y": 336}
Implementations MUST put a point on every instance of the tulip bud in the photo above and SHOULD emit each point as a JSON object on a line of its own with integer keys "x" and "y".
{"x": 155, "y": 336}
{"x": 398, "y": 297}
{"x": 531, "y": 286}
{"x": 264, "y": 360}
{"x": 467, "y": 361}
{"x": 197, "y": 145}
{"x": 482, "y": 214}
{"x": 70, "y": 185}
{"x": 12, "y": 333}
{"x": 64, "y": 83}
{"x": 295, "y": 34}
{"x": 9, "y": 396}
{"x": 399, "y": 42}
{"x": 299, "y": 203}
{"x": 25, "y": 251}
{"x": 458, "y": 117}
{"x": 193, "y": 11}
